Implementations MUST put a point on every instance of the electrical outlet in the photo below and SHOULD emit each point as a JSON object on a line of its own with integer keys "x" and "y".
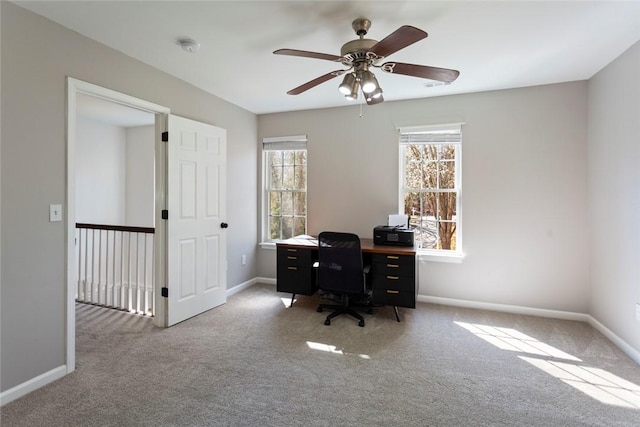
{"x": 638, "y": 311}
{"x": 243, "y": 260}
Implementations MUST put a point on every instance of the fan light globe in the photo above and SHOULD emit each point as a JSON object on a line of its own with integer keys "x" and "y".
{"x": 368, "y": 81}
{"x": 346, "y": 87}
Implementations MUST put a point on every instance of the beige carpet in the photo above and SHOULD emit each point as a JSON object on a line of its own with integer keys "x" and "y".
{"x": 256, "y": 362}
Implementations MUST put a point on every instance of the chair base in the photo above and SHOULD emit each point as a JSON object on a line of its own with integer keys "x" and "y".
{"x": 344, "y": 308}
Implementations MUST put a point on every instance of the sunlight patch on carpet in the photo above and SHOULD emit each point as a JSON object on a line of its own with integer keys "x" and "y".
{"x": 287, "y": 302}
{"x": 514, "y": 340}
{"x": 597, "y": 383}
{"x": 594, "y": 382}
{"x": 331, "y": 349}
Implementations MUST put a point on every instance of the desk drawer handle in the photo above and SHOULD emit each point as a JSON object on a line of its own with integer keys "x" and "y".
{"x": 389, "y": 291}
{"x": 292, "y": 250}
{"x": 292, "y": 268}
{"x": 292, "y": 257}
{"x": 393, "y": 265}
{"x": 392, "y": 257}
{"x": 393, "y": 277}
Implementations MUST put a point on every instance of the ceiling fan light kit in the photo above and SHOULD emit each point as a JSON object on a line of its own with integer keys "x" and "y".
{"x": 362, "y": 54}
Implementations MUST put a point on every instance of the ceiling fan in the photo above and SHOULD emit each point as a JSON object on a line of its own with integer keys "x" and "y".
{"x": 361, "y": 55}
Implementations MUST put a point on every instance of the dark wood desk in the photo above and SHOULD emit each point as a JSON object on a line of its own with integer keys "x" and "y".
{"x": 393, "y": 271}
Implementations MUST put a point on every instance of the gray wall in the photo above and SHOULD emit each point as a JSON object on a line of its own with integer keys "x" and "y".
{"x": 37, "y": 56}
{"x": 614, "y": 195}
{"x": 524, "y": 197}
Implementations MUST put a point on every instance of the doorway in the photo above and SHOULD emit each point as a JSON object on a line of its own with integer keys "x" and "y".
{"x": 76, "y": 89}
{"x": 114, "y": 206}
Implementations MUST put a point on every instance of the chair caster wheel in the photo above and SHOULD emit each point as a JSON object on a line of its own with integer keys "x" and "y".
{"x": 361, "y": 323}
{"x": 319, "y": 309}
{"x": 327, "y": 322}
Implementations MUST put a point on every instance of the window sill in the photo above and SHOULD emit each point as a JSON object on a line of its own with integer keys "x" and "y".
{"x": 267, "y": 245}
{"x": 440, "y": 257}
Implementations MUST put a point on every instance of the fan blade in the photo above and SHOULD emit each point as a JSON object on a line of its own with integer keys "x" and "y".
{"x": 307, "y": 54}
{"x": 399, "y": 39}
{"x": 374, "y": 101}
{"x": 316, "y": 82}
{"x": 422, "y": 71}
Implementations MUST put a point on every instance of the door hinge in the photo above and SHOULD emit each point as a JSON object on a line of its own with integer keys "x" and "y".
{"x": 165, "y": 292}
{"x": 165, "y": 136}
{"x": 165, "y": 214}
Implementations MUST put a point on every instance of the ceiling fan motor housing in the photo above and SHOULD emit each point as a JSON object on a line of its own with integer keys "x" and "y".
{"x": 356, "y": 51}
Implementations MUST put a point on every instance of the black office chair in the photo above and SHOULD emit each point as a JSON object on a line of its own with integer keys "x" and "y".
{"x": 341, "y": 273}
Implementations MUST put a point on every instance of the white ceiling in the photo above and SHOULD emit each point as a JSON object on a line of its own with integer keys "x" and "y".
{"x": 494, "y": 44}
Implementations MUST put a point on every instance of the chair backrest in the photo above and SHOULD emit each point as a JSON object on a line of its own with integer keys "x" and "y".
{"x": 340, "y": 267}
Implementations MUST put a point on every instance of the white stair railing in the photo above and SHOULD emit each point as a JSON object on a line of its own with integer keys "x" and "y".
{"x": 115, "y": 267}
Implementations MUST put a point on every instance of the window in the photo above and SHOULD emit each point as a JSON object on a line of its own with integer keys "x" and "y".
{"x": 430, "y": 186}
{"x": 285, "y": 187}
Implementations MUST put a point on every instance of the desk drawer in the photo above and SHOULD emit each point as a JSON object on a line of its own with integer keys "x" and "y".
{"x": 403, "y": 261}
{"x": 394, "y": 297}
{"x": 394, "y": 268}
{"x": 295, "y": 257}
{"x": 396, "y": 283}
{"x": 296, "y": 280}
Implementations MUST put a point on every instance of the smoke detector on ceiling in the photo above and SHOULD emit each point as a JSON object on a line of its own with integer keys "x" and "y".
{"x": 189, "y": 45}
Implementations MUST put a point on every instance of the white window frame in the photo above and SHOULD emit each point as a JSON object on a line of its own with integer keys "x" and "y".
{"x": 411, "y": 135}
{"x": 293, "y": 143}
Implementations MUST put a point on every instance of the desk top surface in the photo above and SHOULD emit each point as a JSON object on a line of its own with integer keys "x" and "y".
{"x": 365, "y": 244}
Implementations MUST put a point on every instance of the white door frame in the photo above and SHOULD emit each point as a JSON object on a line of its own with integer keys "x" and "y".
{"x": 74, "y": 87}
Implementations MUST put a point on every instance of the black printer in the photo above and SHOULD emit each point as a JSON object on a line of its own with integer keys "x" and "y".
{"x": 392, "y": 235}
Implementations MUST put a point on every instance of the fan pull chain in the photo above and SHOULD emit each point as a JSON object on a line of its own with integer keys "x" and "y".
{"x": 361, "y": 110}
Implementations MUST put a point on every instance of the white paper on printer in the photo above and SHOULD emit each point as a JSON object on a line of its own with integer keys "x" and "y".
{"x": 398, "y": 220}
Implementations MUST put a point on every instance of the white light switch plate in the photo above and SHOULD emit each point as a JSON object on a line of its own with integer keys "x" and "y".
{"x": 55, "y": 213}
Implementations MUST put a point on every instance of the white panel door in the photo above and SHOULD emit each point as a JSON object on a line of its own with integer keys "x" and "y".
{"x": 196, "y": 239}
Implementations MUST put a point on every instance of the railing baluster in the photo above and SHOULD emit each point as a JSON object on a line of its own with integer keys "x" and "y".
{"x": 122, "y": 288}
{"x": 145, "y": 304}
{"x": 113, "y": 272}
{"x": 93, "y": 263}
{"x": 106, "y": 268}
{"x": 86, "y": 265}
{"x": 79, "y": 252}
{"x": 134, "y": 285}
{"x": 99, "y": 290}
{"x": 129, "y": 273}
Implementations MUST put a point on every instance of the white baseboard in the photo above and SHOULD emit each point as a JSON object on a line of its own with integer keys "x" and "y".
{"x": 32, "y": 385}
{"x": 622, "y": 344}
{"x": 249, "y": 283}
{"x": 506, "y": 308}
{"x": 555, "y": 314}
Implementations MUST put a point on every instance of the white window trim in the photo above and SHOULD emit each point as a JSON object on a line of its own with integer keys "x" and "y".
{"x": 286, "y": 142}
{"x": 435, "y": 255}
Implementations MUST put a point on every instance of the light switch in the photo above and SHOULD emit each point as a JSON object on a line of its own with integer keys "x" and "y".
{"x": 55, "y": 213}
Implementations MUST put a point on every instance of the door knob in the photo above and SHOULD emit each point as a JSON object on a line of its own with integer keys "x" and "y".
{"x": 224, "y": 225}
